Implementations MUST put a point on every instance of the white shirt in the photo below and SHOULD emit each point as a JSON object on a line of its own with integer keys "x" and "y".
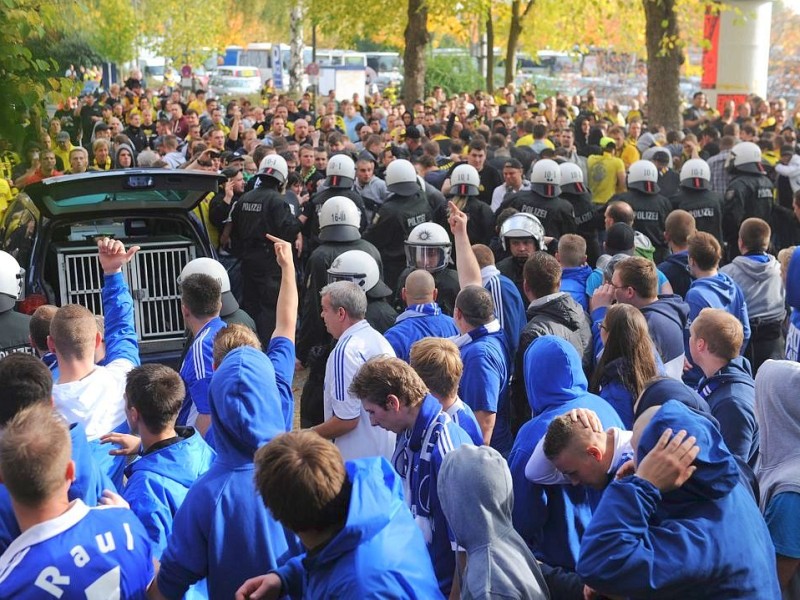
{"x": 358, "y": 343}
{"x": 501, "y": 191}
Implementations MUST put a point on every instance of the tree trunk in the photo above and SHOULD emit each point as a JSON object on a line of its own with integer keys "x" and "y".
{"x": 664, "y": 59}
{"x": 416, "y": 38}
{"x": 514, "y": 31}
{"x": 296, "y": 67}
{"x": 489, "y": 51}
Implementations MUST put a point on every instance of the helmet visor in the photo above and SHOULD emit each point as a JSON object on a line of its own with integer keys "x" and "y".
{"x": 429, "y": 258}
{"x": 359, "y": 279}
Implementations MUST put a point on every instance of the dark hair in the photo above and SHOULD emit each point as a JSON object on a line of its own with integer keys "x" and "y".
{"x": 542, "y": 274}
{"x": 477, "y": 143}
{"x": 201, "y": 294}
{"x": 755, "y": 234}
{"x": 476, "y": 305}
{"x": 157, "y": 392}
{"x": 25, "y": 381}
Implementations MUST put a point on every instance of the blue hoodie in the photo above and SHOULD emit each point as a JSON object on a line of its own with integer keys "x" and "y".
{"x": 380, "y": 552}
{"x": 706, "y": 539}
{"x": 551, "y": 519}
{"x": 793, "y": 300}
{"x": 717, "y": 291}
{"x": 222, "y": 531}
{"x": 676, "y": 268}
{"x": 731, "y": 395}
{"x": 667, "y": 320}
{"x": 90, "y": 481}
{"x": 573, "y": 281}
{"x": 416, "y": 322}
{"x": 159, "y": 481}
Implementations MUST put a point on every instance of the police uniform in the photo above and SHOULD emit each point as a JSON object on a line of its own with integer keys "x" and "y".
{"x": 480, "y": 221}
{"x": 491, "y": 179}
{"x": 705, "y": 206}
{"x": 650, "y": 217}
{"x": 258, "y": 213}
{"x": 447, "y": 286}
{"x": 311, "y": 212}
{"x": 555, "y": 213}
{"x": 14, "y": 333}
{"x": 390, "y": 228}
{"x": 513, "y": 269}
{"x": 748, "y": 195}
{"x": 585, "y": 221}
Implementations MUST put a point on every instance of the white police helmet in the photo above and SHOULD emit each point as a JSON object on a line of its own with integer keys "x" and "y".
{"x": 546, "y": 178}
{"x": 745, "y": 157}
{"x": 339, "y": 220}
{"x": 522, "y": 225}
{"x": 695, "y": 174}
{"x": 401, "y": 178}
{"x": 571, "y": 178}
{"x": 274, "y": 166}
{"x": 465, "y": 181}
{"x": 340, "y": 172}
{"x": 215, "y": 269}
{"x": 643, "y": 176}
{"x": 11, "y": 279}
{"x": 360, "y": 268}
{"x": 428, "y": 247}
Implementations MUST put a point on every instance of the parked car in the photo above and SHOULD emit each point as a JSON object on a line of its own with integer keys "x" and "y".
{"x": 235, "y": 81}
{"x": 51, "y": 229}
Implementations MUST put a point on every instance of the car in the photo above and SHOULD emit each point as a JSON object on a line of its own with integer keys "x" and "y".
{"x": 51, "y": 229}
{"x": 235, "y": 81}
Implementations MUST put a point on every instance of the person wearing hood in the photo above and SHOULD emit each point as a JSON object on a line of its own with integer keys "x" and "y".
{"x": 634, "y": 281}
{"x": 779, "y": 470}
{"x": 477, "y": 498}
{"x": 222, "y": 532}
{"x": 684, "y": 526}
{"x": 711, "y": 289}
{"x": 758, "y": 274}
{"x": 679, "y": 226}
{"x": 792, "y": 285}
{"x": 571, "y": 255}
{"x": 397, "y": 400}
{"x": 550, "y": 312}
{"x": 422, "y": 317}
{"x": 360, "y": 538}
{"x": 727, "y": 384}
{"x": 551, "y": 519}
{"x": 171, "y": 458}
{"x": 124, "y": 157}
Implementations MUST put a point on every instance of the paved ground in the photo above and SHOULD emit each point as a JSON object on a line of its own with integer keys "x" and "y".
{"x": 297, "y": 388}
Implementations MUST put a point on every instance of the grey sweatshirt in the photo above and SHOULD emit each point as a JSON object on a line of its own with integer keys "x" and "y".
{"x": 761, "y": 285}
{"x": 477, "y": 497}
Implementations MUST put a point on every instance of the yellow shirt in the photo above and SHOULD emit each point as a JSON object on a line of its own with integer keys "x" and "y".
{"x": 5, "y": 198}
{"x": 63, "y": 154}
{"x": 603, "y": 175}
{"x": 629, "y": 154}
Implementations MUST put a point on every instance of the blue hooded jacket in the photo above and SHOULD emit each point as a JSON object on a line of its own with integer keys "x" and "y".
{"x": 706, "y": 539}
{"x": 718, "y": 291}
{"x": 676, "y": 268}
{"x": 509, "y": 308}
{"x": 573, "y": 281}
{"x": 793, "y": 300}
{"x": 731, "y": 395}
{"x": 223, "y": 531}
{"x": 90, "y": 481}
{"x": 159, "y": 481}
{"x": 552, "y": 519}
{"x": 380, "y": 552}
{"x": 667, "y": 320}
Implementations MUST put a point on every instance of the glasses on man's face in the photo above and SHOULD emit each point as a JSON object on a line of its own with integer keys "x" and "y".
{"x": 618, "y": 287}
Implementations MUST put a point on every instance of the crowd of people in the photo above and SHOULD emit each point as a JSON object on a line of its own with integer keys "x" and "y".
{"x": 550, "y": 351}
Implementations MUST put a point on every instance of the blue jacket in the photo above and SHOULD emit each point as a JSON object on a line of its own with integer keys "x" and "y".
{"x": 706, "y": 539}
{"x": 159, "y": 481}
{"x": 613, "y": 390}
{"x": 509, "y": 309}
{"x": 413, "y": 325}
{"x": 380, "y": 552}
{"x": 667, "y": 320}
{"x": 793, "y": 300}
{"x": 731, "y": 395}
{"x": 573, "y": 281}
{"x": 663, "y": 390}
{"x": 223, "y": 531}
{"x": 551, "y": 519}
{"x": 719, "y": 291}
{"x": 484, "y": 382}
{"x": 90, "y": 481}
{"x": 676, "y": 268}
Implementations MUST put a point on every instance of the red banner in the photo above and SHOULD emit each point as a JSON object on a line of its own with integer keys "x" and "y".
{"x": 722, "y": 99}
{"x": 711, "y": 26}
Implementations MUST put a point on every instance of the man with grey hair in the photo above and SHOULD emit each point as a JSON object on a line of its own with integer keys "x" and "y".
{"x": 344, "y": 308}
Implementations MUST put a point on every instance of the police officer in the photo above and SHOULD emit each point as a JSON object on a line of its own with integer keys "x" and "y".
{"x": 230, "y": 311}
{"x": 437, "y": 201}
{"x": 464, "y": 190}
{"x": 339, "y": 220}
{"x": 259, "y": 212}
{"x": 403, "y": 210}
{"x": 521, "y": 234}
{"x": 574, "y": 191}
{"x": 543, "y": 200}
{"x": 14, "y": 326}
{"x": 361, "y": 268}
{"x": 650, "y": 208}
{"x": 339, "y": 181}
{"x": 428, "y": 247}
{"x": 749, "y": 194}
{"x": 696, "y": 197}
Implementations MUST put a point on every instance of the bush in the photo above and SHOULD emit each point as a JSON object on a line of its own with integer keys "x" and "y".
{"x": 454, "y": 74}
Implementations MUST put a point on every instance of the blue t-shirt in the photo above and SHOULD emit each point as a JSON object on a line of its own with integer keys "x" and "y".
{"x": 83, "y": 553}
{"x": 281, "y": 354}
{"x": 783, "y": 521}
{"x": 196, "y": 372}
{"x": 462, "y": 414}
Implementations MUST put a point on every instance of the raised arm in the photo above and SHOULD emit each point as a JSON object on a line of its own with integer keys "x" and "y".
{"x": 120, "y": 335}
{"x": 469, "y": 272}
{"x": 286, "y": 317}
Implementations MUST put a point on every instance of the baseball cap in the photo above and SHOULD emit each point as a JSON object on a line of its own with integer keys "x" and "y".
{"x": 620, "y": 238}
{"x": 605, "y": 142}
{"x": 662, "y": 156}
{"x": 63, "y": 136}
{"x": 239, "y": 153}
